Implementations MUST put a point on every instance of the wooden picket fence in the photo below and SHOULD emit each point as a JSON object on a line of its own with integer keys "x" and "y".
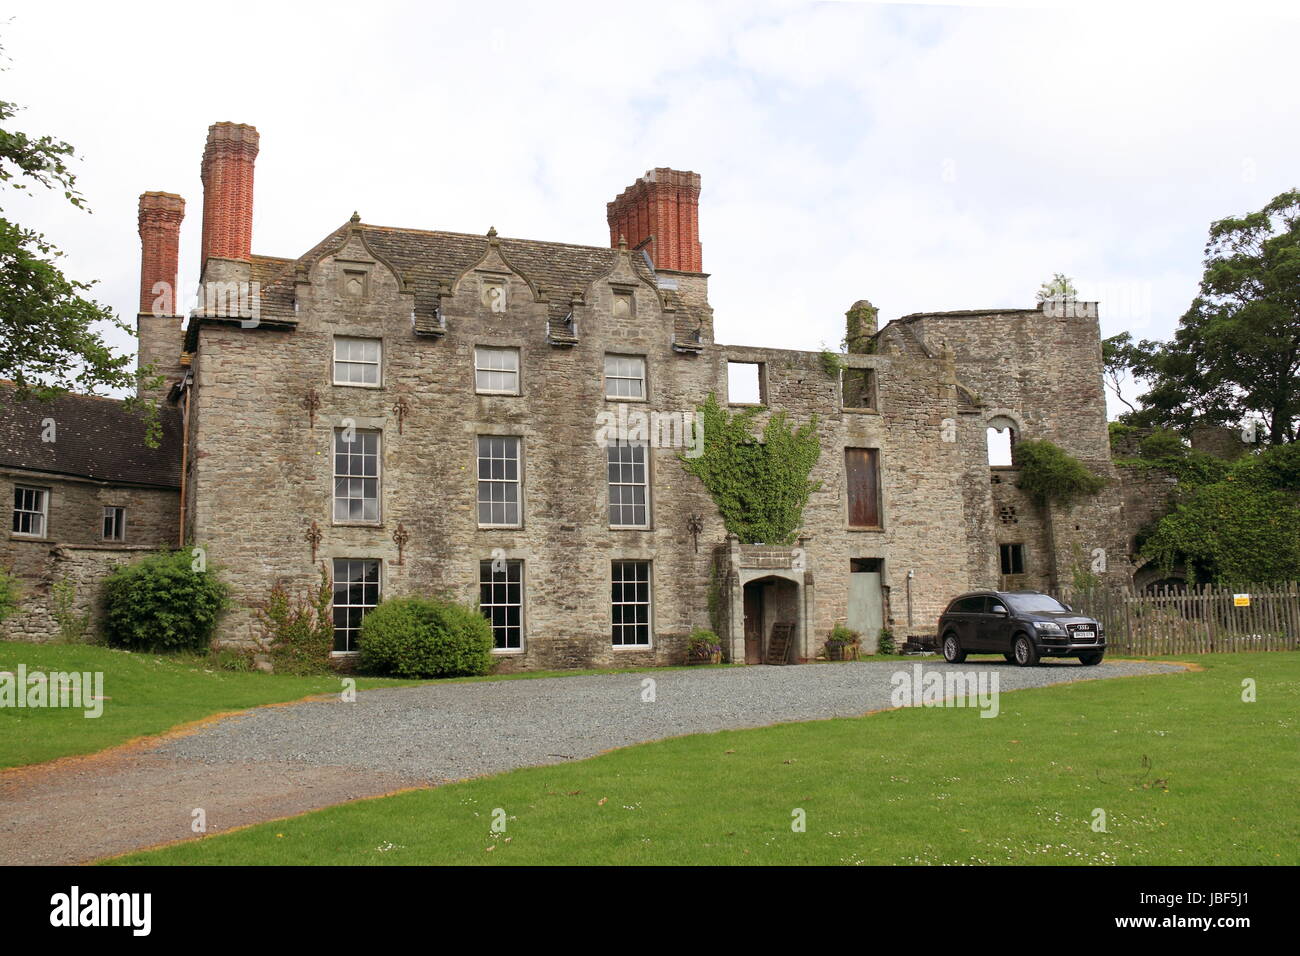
{"x": 1194, "y": 619}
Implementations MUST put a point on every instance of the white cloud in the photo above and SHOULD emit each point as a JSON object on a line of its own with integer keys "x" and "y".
{"x": 926, "y": 158}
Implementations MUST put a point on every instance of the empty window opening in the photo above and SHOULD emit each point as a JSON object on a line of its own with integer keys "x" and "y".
{"x": 1000, "y": 442}
{"x": 1012, "y": 557}
{"x": 745, "y": 383}
{"x": 858, "y": 386}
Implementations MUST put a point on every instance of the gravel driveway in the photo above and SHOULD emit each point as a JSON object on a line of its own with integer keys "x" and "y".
{"x": 440, "y": 732}
{"x": 277, "y": 761}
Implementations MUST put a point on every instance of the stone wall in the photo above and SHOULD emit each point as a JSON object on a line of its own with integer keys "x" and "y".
{"x": 73, "y": 546}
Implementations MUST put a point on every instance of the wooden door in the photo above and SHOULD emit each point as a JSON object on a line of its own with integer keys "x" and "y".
{"x": 754, "y": 624}
{"x": 866, "y": 608}
{"x": 862, "y": 482}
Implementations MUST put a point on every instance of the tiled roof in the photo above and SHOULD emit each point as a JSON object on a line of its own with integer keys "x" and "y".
{"x": 94, "y": 438}
{"x": 427, "y": 259}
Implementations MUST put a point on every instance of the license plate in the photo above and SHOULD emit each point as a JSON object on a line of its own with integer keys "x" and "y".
{"x": 1085, "y": 633}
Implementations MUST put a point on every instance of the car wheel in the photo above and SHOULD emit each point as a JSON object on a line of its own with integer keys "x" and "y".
{"x": 1011, "y": 658}
{"x": 1091, "y": 658}
{"x": 1025, "y": 653}
{"x": 952, "y": 652}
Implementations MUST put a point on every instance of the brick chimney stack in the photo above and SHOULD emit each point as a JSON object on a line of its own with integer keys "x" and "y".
{"x": 160, "y": 246}
{"x": 227, "y": 173}
{"x": 661, "y": 211}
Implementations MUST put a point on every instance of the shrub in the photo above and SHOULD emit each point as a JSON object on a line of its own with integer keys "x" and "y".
{"x": 887, "y": 645}
{"x": 419, "y": 637}
{"x": 1162, "y": 443}
{"x": 9, "y": 594}
{"x": 842, "y": 636}
{"x": 704, "y": 642}
{"x": 162, "y": 604}
{"x": 1049, "y": 474}
{"x": 298, "y": 632}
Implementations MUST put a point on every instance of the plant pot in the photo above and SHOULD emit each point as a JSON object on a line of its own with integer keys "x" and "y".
{"x": 704, "y": 657}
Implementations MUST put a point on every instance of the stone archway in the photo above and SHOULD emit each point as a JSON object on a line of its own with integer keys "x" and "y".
{"x": 768, "y": 602}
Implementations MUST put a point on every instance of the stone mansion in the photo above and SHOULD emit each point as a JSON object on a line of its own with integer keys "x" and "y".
{"x": 419, "y": 412}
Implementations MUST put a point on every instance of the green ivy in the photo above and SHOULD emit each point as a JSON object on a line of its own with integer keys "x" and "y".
{"x": 760, "y": 488}
{"x": 1048, "y": 474}
{"x": 832, "y": 363}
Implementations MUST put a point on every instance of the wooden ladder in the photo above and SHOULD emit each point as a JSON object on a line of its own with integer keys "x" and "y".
{"x": 778, "y": 645}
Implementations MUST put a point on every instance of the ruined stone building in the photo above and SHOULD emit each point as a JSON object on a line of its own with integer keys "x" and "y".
{"x": 421, "y": 411}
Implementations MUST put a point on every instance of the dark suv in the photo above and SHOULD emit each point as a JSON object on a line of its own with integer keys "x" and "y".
{"x": 1021, "y": 625}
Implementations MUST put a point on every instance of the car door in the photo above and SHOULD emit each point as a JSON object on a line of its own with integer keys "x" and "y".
{"x": 995, "y": 626}
{"x": 967, "y": 620}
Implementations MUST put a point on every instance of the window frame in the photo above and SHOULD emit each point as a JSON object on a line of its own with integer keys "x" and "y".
{"x": 1012, "y": 550}
{"x": 485, "y": 566}
{"x": 610, "y": 485}
{"x": 366, "y": 608}
{"x": 44, "y": 511}
{"x": 378, "y": 478}
{"x": 378, "y": 363}
{"x": 644, "y": 378}
{"x": 517, "y": 481}
{"x": 518, "y": 369}
{"x": 121, "y": 524}
{"x": 648, "y": 604}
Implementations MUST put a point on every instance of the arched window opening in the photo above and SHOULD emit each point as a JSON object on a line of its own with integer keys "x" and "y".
{"x": 1001, "y": 437}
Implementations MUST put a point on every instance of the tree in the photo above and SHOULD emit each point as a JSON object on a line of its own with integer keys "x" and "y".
{"x": 49, "y": 343}
{"x": 1236, "y": 353}
{"x": 1060, "y": 286}
{"x": 1120, "y": 359}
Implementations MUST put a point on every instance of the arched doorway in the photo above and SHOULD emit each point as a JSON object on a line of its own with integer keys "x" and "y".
{"x": 771, "y": 610}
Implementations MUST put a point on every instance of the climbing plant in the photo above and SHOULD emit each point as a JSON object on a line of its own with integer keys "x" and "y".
{"x": 760, "y": 487}
{"x": 1048, "y": 474}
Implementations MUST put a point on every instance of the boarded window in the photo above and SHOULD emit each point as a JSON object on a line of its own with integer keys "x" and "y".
{"x": 862, "y": 475}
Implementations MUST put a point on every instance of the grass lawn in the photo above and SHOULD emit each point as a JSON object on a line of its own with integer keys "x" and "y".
{"x": 1186, "y": 772}
{"x": 149, "y": 693}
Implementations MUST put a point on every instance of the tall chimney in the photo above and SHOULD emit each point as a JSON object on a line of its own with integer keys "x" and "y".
{"x": 227, "y": 173}
{"x": 160, "y": 246}
{"x": 158, "y": 324}
{"x": 661, "y": 212}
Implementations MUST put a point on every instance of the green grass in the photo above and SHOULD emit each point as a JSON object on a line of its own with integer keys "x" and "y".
{"x": 1186, "y": 772}
{"x": 149, "y": 693}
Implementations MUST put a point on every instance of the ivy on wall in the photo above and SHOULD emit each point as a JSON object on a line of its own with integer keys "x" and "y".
{"x": 760, "y": 487}
{"x": 1048, "y": 474}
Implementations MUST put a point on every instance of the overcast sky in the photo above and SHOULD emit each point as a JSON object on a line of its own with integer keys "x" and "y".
{"x": 923, "y": 157}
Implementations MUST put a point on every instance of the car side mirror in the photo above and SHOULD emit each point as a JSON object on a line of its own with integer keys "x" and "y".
{"x": 999, "y": 610}
{"x": 1067, "y": 607}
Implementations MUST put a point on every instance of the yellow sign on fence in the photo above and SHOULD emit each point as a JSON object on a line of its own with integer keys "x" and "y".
{"x": 1241, "y": 600}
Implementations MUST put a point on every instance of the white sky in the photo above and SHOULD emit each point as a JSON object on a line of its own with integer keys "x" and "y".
{"x": 922, "y": 157}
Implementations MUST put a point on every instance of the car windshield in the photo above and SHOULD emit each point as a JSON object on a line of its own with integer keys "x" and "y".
{"x": 1035, "y": 603}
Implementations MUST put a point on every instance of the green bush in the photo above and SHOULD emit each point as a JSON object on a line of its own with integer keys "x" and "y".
{"x": 419, "y": 637}
{"x": 1162, "y": 443}
{"x": 887, "y": 644}
{"x": 298, "y": 632}
{"x": 1049, "y": 474}
{"x": 162, "y": 604}
{"x": 704, "y": 642}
